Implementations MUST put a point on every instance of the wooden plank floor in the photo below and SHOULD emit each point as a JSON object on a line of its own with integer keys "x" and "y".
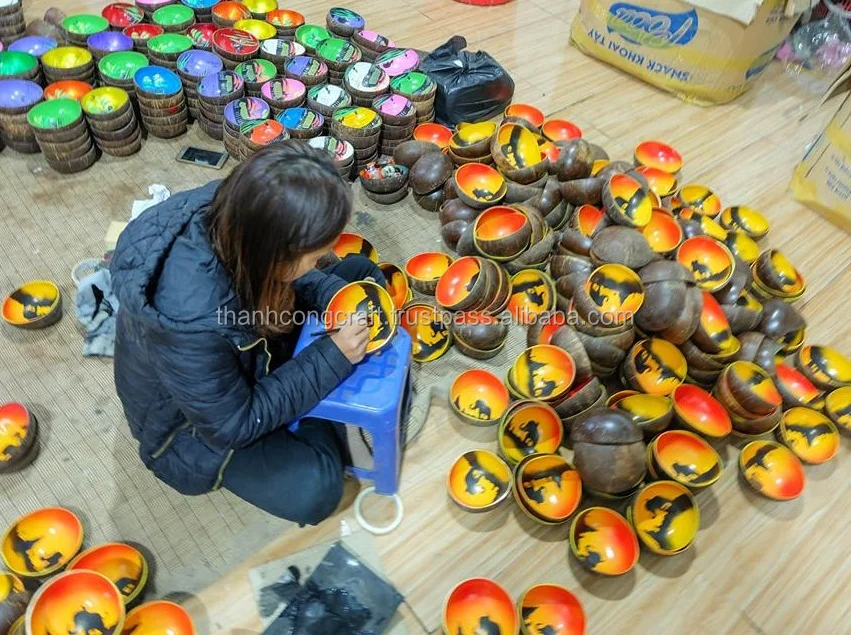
{"x": 757, "y": 566}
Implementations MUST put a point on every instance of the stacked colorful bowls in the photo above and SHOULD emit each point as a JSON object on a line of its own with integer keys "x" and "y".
{"x": 62, "y": 135}
{"x": 120, "y": 15}
{"x": 215, "y": 91}
{"x": 244, "y": 112}
{"x": 35, "y": 45}
{"x": 279, "y": 50}
{"x": 302, "y": 123}
{"x": 362, "y": 128}
{"x": 234, "y": 46}
{"x": 150, "y": 6}
{"x": 341, "y": 152}
{"x": 285, "y": 22}
{"x": 118, "y": 70}
{"x": 255, "y": 73}
{"x": 68, "y": 62}
{"x": 399, "y": 115}
{"x": 310, "y": 36}
{"x": 365, "y": 81}
{"x": 372, "y": 44}
{"x": 326, "y": 99}
{"x": 420, "y": 89}
{"x": 70, "y": 88}
{"x": 226, "y": 14}
{"x": 162, "y": 101}
{"x": 12, "y": 23}
{"x": 17, "y": 96}
{"x": 192, "y": 67}
{"x": 261, "y": 134}
{"x": 79, "y": 27}
{"x": 141, "y": 34}
{"x": 112, "y": 121}
{"x": 106, "y": 42}
{"x": 174, "y": 18}
{"x": 344, "y": 22}
{"x": 337, "y": 54}
{"x": 306, "y": 69}
{"x": 18, "y": 65}
{"x": 281, "y": 93}
{"x": 163, "y": 50}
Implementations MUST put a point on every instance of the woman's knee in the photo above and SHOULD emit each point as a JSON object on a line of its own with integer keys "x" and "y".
{"x": 318, "y": 501}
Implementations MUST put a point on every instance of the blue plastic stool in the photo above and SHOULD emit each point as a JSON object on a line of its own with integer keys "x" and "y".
{"x": 376, "y": 398}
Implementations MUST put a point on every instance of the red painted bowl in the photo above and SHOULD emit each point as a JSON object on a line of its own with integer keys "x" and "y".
{"x": 455, "y": 287}
{"x": 526, "y": 112}
{"x": 655, "y": 154}
{"x": 159, "y": 618}
{"x": 355, "y": 245}
{"x": 479, "y": 605}
{"x": 772, "y": 470}
{"x": 603, "y": 541}
{"x": 589, "y": 219}
{"x": 663, "y": 232}
{"x": 478, "y": 397}
{"x": 433, "y": 132}
{"x": 561, "y": 130}
{"x": 426, "y": 269}
{"x": 67, "y": 89}
{"x": 700, "y": 412}
{"x": 551, "y": 609}
{"x": 76, "y": 597}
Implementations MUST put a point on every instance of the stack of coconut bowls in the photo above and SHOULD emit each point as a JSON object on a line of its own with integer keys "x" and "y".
{"x": 260, "y": 8}
{"x": 121, "y": 15}
{"x": 285, "y": 22}
{"x": 476, "y": 285}
{"x": 365, "y": 82}
{"x": 240, "y": 113}
{"x": 151, "y": 6}
{"x": 106, "y": 42}
{"x": 326, "y": 99}
{"x": 282, "y": 93}
{"x": 69, "y": 88}
{"x": 68, "y": 62}
{"x": 17, "y": 97}
{"x": 302, "y": 123}
{"x": 119, "y": 69}
{"x": 112, "y": 121}
{"x": 78, "y": 28}
{"x": 341, "y": 152}
{"x": 165, "y": 49}
{"x": 420, "y": 89}
{"x": 261, "y": 134}
{"x": 255, "y": 73}
{"x": 192, "y": 67}
{"x": 201, "y": 35}
{"x": 35, "y": 45}
{"x": 400, "y": 118}
{"x": 337, "y": 54}
{"x": 215, "y": 92}
{"x": 344, "y": 23}
{"x": 430, "y": 174}
{"x": 141, "y": 34}
{"x": 310, "y": 36}
{"x": 384, "y": 181}
{"x": 162, "y": 102}
{"x": 226, "y": 14}
{"x": 279, "y": 50}
{"x": 234, "y": 46}
{"x": 471, "y": 143}
{"x": 362, "y": 128}
{"x": 63, "y": 135}
{"x": 18, "y": 65}
{"x": 174, "y": 18}
{"x": 372, "y": 44}
{"x": 12, "y": 23}
{"x": 306, "y": 69}
{"x": 203, "y": 9}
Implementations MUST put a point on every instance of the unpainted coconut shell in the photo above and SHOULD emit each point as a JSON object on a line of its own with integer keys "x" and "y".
{"x": 622, "y": 245}
{"x": 409, "y": 152}
{"x": 430, "y": 172}
{"x": 583, "y": 191}
{"x": 575, "y": 160}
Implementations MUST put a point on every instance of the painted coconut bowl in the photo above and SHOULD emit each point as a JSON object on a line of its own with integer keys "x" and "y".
{"x": 746, "y": 390}
{"x": 774, "y": 273}
{"x": 478, "y": 397}
{"x": 67, "y": 89}
{"x": 159, "y": 618}
{"x": 355, "y": 245}
{"x": 34, "y": 45}
{"x": 515, "y": 148}
{"x": 172, "y": 45}
{"x": 665, "y": 516}
{"x": 627, "y": 201}
{"x": 35, "y": 304}
{"x": 260, "y": 29}
{"x": 542, "y": 372}
{"x": 85, "y": 24}
{"x": 463, "y": 285}
{"x": 425, "y": 270}
{"x": 826, "y": 367}
{"x": 796, "y": 389}
{"x": 772, "y": 470}
{"x": 230, "y": 12}
{"x": 429, "y": 333}
{"x": 655, "y": 366}
{"x": 473, "y": 139}
{"x": 123, "y": 65}
{"x": 661, "y": 183}
{"x": 713, "y": 334}
{"x": 285, "y": 18}
{"x": 655, "y": 154}
{"x": 371, "y": 299}
{"x": 837, "y": 406}
{"x": 76, "y": 597}
{"x": 561, "y": 130}
{"x": 544, "y": 327}
{"x": 710, "y": 261}
{"x": 547, "y": 488}
{"x": 13, "y": 601}
{"x": 479, "y": 185}
{"x": 745, "y": 219}
{"x": 533, "y": 293}
{"x": 742, "y": 246}
{"x": 529, "y": 427}
{"x": 42, "y": 542}
{"x": 685, "y": 458}
{"x": 701, "y": 199}
{"x": 110, "y": 42}
{"x": 434, "y": 133}
{"x": 479, "y": 605}
{"x": 120, "y": 15}
{"x": 502, "y": 232}
{"x": 603, "y": 541}
{"x": 311, "y": 35}
{"x": 120, "y": 563}
{"x": 551, "y": 609}
{"x": 235, "y": 44}
{"x": 396, "y": 284}
{"x": 611, "y": 295}
{"x": 663, "y": 233}
{"x": 18, "y": 437}
{"x": 397, "y": 62}
{"x": 201, "y": 35}
{"x": 19, "y": 95}
{"x": 698, "y": 411}
{"x": 809, "y": 434}
{"x": 651, "y": 413}
{"x": 478, "y": 481}
{"x": 66, "y": 58}
{"x": 526, "y": 112}
{"x": 142, "y": 33}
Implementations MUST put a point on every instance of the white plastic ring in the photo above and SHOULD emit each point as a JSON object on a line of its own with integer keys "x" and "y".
{"x": 378, "y": 531}
{"x": 85, "y": 268}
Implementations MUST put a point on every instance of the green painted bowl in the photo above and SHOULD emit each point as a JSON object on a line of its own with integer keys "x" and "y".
{"x": 85, "y": 24}
{"x": 55, "y": 114}
{"x": 172, "y": 15}
{"x": 170, "y": 43}
{"x": 16, "y": 64}
{"x": 122, "y": 65}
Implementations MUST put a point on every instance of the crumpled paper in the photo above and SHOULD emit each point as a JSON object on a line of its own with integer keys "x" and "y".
{"x": 158, "y": 194}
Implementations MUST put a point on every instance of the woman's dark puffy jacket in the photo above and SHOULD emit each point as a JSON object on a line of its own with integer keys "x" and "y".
{"x": 194, "y": 383}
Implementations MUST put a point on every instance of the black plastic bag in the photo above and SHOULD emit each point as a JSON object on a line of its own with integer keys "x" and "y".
{"x": 470, "y": 86}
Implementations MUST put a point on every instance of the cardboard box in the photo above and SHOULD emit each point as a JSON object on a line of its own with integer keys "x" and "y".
{"x": 822, "y": 181}
{"x": 704, "y": 51}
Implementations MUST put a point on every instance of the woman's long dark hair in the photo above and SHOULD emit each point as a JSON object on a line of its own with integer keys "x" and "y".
{"x": 282, "y": 203}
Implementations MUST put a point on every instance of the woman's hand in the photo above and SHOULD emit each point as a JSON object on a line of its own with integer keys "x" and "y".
{"x": 352, "y": 340}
